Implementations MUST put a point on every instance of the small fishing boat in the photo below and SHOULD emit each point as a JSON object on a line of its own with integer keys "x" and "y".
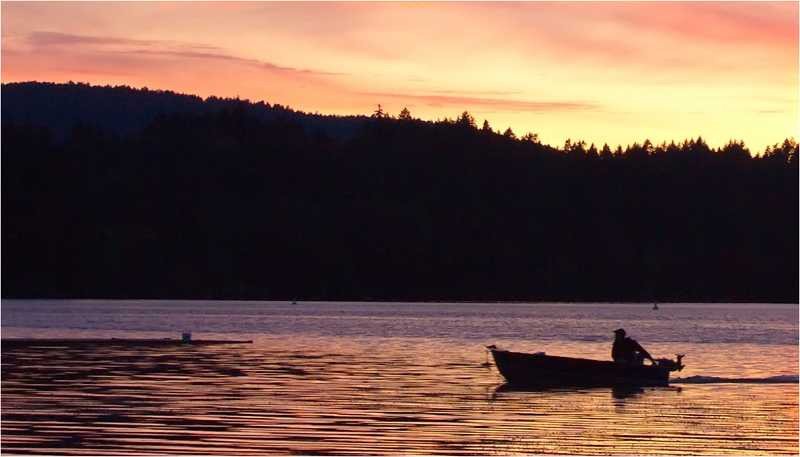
{"x": 540, "y": 370}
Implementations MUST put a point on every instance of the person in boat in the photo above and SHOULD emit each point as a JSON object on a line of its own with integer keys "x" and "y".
{"x": 626, "y": 349}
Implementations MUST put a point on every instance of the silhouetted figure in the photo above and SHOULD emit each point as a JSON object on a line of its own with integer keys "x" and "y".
{"x": 627, "y": 349}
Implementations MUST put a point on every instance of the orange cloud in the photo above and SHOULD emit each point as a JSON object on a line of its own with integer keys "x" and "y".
{"x": 478, "y": 103}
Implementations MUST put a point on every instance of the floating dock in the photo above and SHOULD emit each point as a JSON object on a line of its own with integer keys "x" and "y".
{"x": 12, "y": 343}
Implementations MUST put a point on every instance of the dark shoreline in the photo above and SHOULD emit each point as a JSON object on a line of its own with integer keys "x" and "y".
{"x": 220, "y": 201}
{"x": 12, "y": 343}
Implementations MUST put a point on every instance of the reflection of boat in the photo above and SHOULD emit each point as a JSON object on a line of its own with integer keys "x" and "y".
{"x": 622, "y": 392}
{"x": 619, "y": 392}
{"x": 542, "y": 370}
{"x": 655, "y": 305}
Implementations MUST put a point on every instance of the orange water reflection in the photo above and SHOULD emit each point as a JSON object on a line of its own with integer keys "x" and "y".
{"x": 341, "y": 397}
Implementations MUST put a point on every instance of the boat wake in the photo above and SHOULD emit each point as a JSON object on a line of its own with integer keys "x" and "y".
{"x": 781, "y": 379}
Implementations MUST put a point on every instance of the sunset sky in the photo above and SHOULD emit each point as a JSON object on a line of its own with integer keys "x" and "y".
{"x": 614, "y": 73}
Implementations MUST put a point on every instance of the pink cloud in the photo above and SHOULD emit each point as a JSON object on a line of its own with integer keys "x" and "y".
{"x": 57, "y": 39}
{"x": 666, "y": 41}
{"x": 278, "y": 68}
{"x": 113, "y": 52}
{"x": 759, "y": 24}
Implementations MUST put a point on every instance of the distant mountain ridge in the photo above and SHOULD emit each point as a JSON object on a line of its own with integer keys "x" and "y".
{"x": 125, "y": 110}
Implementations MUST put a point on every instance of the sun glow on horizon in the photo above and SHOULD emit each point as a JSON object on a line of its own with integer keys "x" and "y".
{"x": 614, "y": 73}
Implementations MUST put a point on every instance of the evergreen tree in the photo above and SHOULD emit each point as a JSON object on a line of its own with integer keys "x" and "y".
{"x": 466, "y": 120}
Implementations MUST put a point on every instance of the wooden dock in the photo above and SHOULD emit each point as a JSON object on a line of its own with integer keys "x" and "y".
{"x": 14, "y": 343}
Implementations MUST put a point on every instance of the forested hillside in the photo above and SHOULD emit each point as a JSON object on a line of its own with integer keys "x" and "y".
{"x": 123, "y": 110}
{"x": 169, "y": 196}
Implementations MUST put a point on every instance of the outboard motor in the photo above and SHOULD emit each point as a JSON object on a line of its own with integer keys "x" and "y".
{"x": 671, "y": 364}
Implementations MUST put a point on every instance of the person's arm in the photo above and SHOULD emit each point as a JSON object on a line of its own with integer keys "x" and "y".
{"x": 644, "y": 353}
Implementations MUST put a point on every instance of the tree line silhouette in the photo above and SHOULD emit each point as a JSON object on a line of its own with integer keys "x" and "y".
{"x": 226, "y": 199}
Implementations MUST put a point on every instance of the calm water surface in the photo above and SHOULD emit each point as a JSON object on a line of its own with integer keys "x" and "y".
{"x": 391, "y": 379}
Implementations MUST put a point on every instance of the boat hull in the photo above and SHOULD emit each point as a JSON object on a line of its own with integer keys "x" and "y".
{"x": 538, "y": 370}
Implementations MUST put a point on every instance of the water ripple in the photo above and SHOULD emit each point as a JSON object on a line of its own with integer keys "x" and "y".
{"x": 335, "y": 396}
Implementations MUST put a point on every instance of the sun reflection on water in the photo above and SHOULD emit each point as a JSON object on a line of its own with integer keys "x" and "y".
{"x": 337, "y": 396}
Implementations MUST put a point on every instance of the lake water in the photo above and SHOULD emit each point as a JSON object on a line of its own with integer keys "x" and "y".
{"x": 392, "y": 379}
